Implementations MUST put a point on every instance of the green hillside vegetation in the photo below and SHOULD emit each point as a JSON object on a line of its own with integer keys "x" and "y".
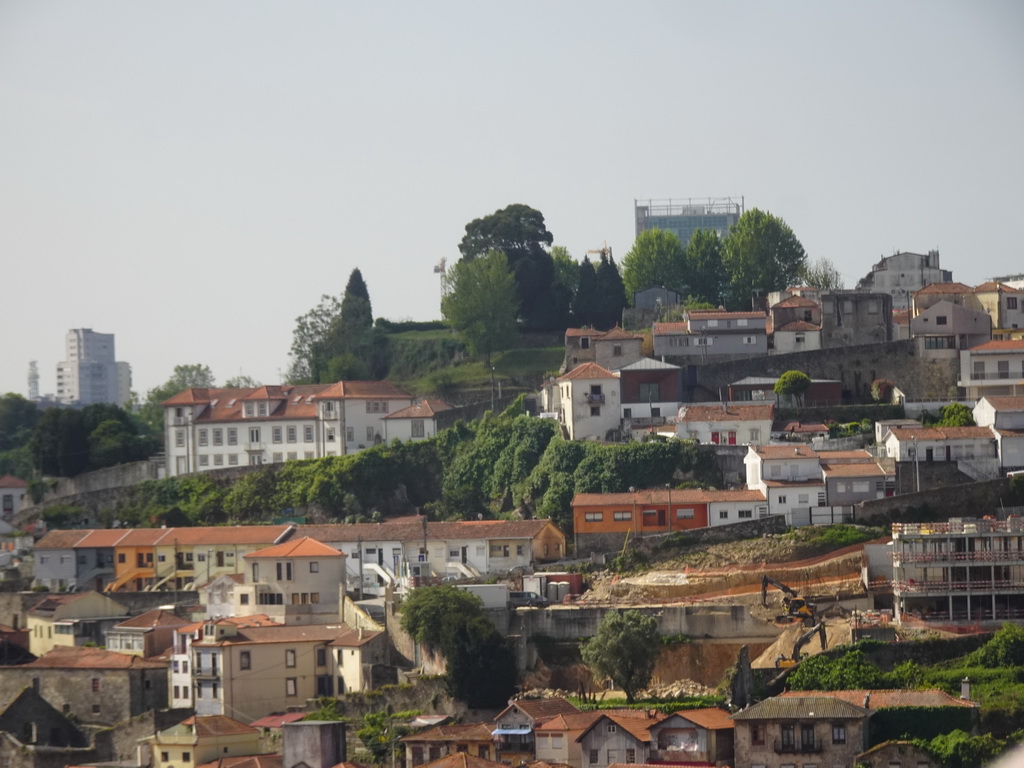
{"x": 995, "y": 670}
{"x": 499, "y": 466}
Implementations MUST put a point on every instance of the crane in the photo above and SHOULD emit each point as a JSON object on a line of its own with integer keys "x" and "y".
{"x": 604, "y": 250}
{"x": 806, "y": 637}
{"x": 796, "y": 607}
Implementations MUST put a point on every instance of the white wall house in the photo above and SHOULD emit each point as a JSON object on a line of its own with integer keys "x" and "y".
{"x": 725, "y": 423}
{"x": 790, "y": 477}
{"x": 213, "y": 428}
{"x": 993, "y": 368}
{"x": 940, "y": 444}
{"x": 417, "y": 422}
{"x": 590, "y": 402}
{"x": 297, "y": 582}
{"x": 1005, "y": 415}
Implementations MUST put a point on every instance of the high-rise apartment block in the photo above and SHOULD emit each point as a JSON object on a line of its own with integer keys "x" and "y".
{"x": 684, "y": 217}
{"x": 90, "y": 373}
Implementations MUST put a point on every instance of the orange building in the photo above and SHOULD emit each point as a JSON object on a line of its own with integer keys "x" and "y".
{"x": 604, "y": 521}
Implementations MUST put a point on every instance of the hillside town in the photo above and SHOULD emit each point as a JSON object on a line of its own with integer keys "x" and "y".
{"x": 852, "y": 495}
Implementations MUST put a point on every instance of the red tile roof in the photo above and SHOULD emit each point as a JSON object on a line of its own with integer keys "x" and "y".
{"x": 835, "y": 456}
{"x": 1006, "y": 402}
{"x": 290, "y": 633}
{"x": 10, "y": 481}
{"x": 276, "y": 721}
{"x": 377, "y": 390}
{"x": 615, "y": 334}
{"x": 302, "y": 547}
{"x": 797, "y": 326}
{"x": 945, "y": 288}
{"x": 661, "y": 496}
{"x": 426, "y": 409}
{"x": 725, "y": 412}
{"x": 75, "y": 657}
{"x": 795, "y": 301}
{"x": 353, "y": 638}
{"x": 941, "y": 433}
{"x": 794, "y": 451}
{"x": 587, "y": 371}
{"x": 155, "y": 618}
{"x": 711, "y": 718}
{"x": 799, "y": 428}
{"x": 993, "y": 287}
{"x": 248, "y": 761}
{"x": 637, "y": 727}
{"x": 466, "y": 732}
{"x": 853, "y": 470}
{"x": 218, "y": 725}
{"x": 462, "y": 760}
{"x": 227, "y": 534}
{"x": 412, "y": 530}
{"x": 540, "y": 709}
{"x": 717, "y": 314}
{"x": 1000, "y": 345}
{"x": 890, "y": 697}
{"x": 661, "y": 329}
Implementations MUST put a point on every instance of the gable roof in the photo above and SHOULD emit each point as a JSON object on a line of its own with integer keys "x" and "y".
{"x": 411, "y": 529}
{"x": 302, "y": 547}
{"x": 217, "y": 725}
{"x": 157, "y": 617}
{"x": 941, "y": 433}
{"x": 821, "y": 707}
{"x": 663, "y": 496}
{"x": 717, "y": 314}
{"x": 465, "y": 732}
{"x": 892, "y": 697}
{"x": 587, "y": 371}
{"x": 1005, "y": 402}
{"x": 794, "y": 451}
{"x": 282, "y": 633}
{"x": 540, "y": 709}
{"x": 426, "y": 409}
{"x": 462, "y": 760}
{"x": 78, "y": 657}
{"x": 1000, "y": 345}
{"x": 797, "y": 326}
{"x": 943, "y": 288}
{"x": 712, "y": 718}
{"x": 795, "y": 301}
{"x": 992, "y": 287}
{"x": 659, "y": 328}
{"x": 10, "y": 481}
{"x": 856, "y": 469}
{"x": 637, "y": 727}
{"x": 378, "y": 390}
{"x": 247, "y": 761}
{"x": 725, "y": 412}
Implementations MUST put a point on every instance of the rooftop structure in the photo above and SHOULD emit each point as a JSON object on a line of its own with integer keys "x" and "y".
{"x": 683, "y": 217}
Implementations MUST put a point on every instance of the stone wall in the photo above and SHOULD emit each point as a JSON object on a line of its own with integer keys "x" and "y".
{"x": 856, "y": 367}
{"x": 971, "y": 500}
{"x": 104, "y": 479}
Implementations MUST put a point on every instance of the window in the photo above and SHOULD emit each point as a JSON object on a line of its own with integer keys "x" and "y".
{"x": 290, "y": 686}
{"x": 330, "y": 435}
{"x": 585, "y": 344}
{"x": 595, "y": 410}
{"x": 289, "y": 658}
{"x": 753, "y": 339}
{"x": 369, "y": 433}
{"x": 307, "y": 433}
{"x": 1003, "y": 368}
{"x": 232, "y": 436}
{"x": 838, "y": 733}
{"x": 592, "y": 758}
{"x": 611, "y": 728}
{"x": 941, "y": 320}
{"x": 204, "y": 460}
{"x": 622, "y": 515}
{"x": 630, "y": 755}
{"x": 245, "y": 659}
{"x": 723, "y": 514}
{"x": 165, "y": 756}
{"x": 650, "y": 392}
{"x": 593, "y": 517}
{"x": 782, "y": 500}
{"x": 293, "y": 434}
{"x": 284, "y": 571}
{"x": 417, "y": 428}
{"x": 179, "y": 438}
{"x": 202, "y": 436}
{"x": 321, "y": 657}
{"x": 1011, "y": 302}
{"x": 218, "y": 437}
{"x": 684, "y": 514}
{"x": 350, "y": 434}
{"x": 186, "y": 756}
{"x": 254, "y": 435}
{"x": 314, "y": 567}
{"x": 95, "y": 685}
{"x": 755, "y": 434}
{"x": 243, "y": 599}
{"x": 757, "y": 732}
{"x": 218, "y": 459}
{"x": 277, "y": 457}
{"x": 745, "y": 514}
{"x": 276, "y": 435}
{"x": 617, "y": 350}
{"x": 232, "y": 458}
{"x": 262, "y": 407}
{"x": 788, "y": 735}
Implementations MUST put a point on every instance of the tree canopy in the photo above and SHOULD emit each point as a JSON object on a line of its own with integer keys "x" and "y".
{"x": 760, "y": 254}
{"x": 67, "y": 442}
{"x": 625, "y": 650}
{"x": 955, "y": 415}
{"x": 656, "y": 258}
{"x": 186, "y": 376}
{"x": 705, "y": 272}
{"x": 823, "y": 275}
{"x": 519, "y": 232}
{"x": 793, "y": 384}
{"x": 481, "y": 303}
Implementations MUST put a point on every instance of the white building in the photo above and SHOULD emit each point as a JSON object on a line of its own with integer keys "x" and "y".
{"x": 993, "y": 368}
{"x": 210, "y": 428}
{"x": 902, "y": 274}
{"x": 789, "y": 476}
{"x": 90, "y": 373}
{"x": 589, "y": 401}
{"x": 1005, "y": 415}
{"x": 297, "y": 582}
{"x": 940, "y": 443}
{"x": 725, "y": 423}
{"x": 417, "y": 422}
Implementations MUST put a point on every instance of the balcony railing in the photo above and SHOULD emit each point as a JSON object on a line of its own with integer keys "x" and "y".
{"x": 981, "y": 556}
{"x": 592, "y": 397}
{"x": 798, "y": 747}
{"x": 973, "y": 585}
{"x": 1011, "y": 525}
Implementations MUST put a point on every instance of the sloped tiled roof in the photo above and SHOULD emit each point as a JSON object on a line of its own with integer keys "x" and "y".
{"x": 302, "y": 547}
{"x": 352, "y": 638}
{"x": 466, "y": 732}
{"x": 587, "y": 371}
{"x": 1006, "y": 402}
{"x": 717, "y": 314}
{"x": 76, "y": 657}
{"x": 795, "y": 302}
{"x": 51, "y": 603}
{"x": 726, "y": 412}
{"x": 858, "y": 469}
{"x": 993, "y": 287}
{"x": 10, "y": 481}
{"x": 276, "y": 721}
{"x": 944, "y": 288}
{"x": 822, "y": 707}
{"x": 412, "y": 530}
{"x": 711, "y": 718}
{"x": 217, "y": 725}
{"x": 155, "y": 618}
{"x": 284, "y": 633}
{"x": 378, "y": 390}
{"x": 248, "y": 761}
{"x": 661, "y": 496}
{"x": 794, "y": 451}
{"x": 798, "y": 427}
{"x": 637, "y": 727}
{"x": 797, "y": 326}
{"x": 462, "y": 760}
{"x": 540, "y": 709}
{"x": 941, "y": 433}
{"x": 226, "y": 534}
{"x": 1000, "y": 345}
{"x": 60, "y": 539}
{"x": 660, "y": 328}
{"x": 891, "y": 697}
{"x": 427, "y": 409}
{"x": 845, "y": 457}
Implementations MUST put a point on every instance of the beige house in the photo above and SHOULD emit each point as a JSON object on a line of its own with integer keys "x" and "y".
{"x": 442, "y": 740}
{"x": 145, "y": 635}
{"x": 297, "y": 582}
{"x": 71, "y": 619}
{"x": 702, "y": 736}
{"x": 557, "y": 738}
{"x": 200, "y": 740}
{"x": 800, "y": 730}
{"x": 588, "y": 402}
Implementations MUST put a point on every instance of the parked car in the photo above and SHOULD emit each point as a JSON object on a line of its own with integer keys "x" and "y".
{"x": 527, "y": 600}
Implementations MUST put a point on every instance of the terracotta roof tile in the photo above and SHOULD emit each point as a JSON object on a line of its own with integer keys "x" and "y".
{"x": 587, "y": 371}
{"x": 1006, "y": 402}
{"x": 853, "y": 470}
{"x": 462, "y": 760}
{"x": 797, "y": 450}
{"x": 795, "y": 301}
{"x": 412, "y": 530}
{"x": 427, "y": 409}
{"x": 218, "y": 725}
{"x": 155, "y": 618}
{"x": 725, "y": 412}
{"x": 797, "y": 326}
{"x": 945, "y": 288}
{"x": 465, "y": 732}
{"x": 247, "y": 761}
{"x": 661, "y": 496}
{"x": 717, "y": 314}
{"x": 540, "y": 709}
{"x": 993, "y": 287}
{"x": 941, "y": 433}
{"x": 276, "y": 721}
{"x": 663, "y": 328}
{"x": 637, "y": 727}
{"x": 291, "y": 633}
{"x": 378, "y": 390}
{"x": 1000, "y": 345}
{"x": 10, "y": 481}
{"x": 890, "y": 697}
{"x": 61, "y": 539}
{"x": 821, "y": 707}
{"x": 352, "y": 638}
{"x": 711, "y": 718}
{"x": 226, "y": 534}
{"x": 303, "y": 547}
{"x": 75, "y": 657}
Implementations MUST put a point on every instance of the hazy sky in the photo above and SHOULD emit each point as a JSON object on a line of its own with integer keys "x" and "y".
{"x": 192, "y": 176}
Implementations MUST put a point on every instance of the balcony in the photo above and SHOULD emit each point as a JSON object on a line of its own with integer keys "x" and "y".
{"x": 980, "y": 556}
{"x": 783, "y": 747}
{"x": 594, "y": 398}
{"x": 981, "y": 586}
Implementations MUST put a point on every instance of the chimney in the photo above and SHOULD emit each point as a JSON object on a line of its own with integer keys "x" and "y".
{"x": 965, "y": 689}
{"x": 867, "y": 701}
{"x": 360, "y": 633}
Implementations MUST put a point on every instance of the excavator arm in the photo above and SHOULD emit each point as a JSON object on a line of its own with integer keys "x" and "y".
{"x": 765, "y": 581}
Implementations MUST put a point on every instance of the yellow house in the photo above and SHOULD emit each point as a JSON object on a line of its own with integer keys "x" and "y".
{"x": 200, "y": 740}
{"x": 187, "y": 558}
{"x": 71, "y": 619}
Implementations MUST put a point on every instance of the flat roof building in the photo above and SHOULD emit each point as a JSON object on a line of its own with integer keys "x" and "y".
{"x": 685, "y": 216}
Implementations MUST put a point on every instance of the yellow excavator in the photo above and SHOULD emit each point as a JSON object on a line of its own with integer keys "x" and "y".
{"x": 796, "y": 607}
{"x": 819, "y": 629}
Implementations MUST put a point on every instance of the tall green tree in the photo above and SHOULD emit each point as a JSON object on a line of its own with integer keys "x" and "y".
{"x": 761, "y": 254}
{"x": 625, "y": 649}
{"x": 67, "y": 442}
{"x": 311, "y": 337}
{"x": 519, "y": 232}
{"x": 611, "y": 293}
{"x": 189, "y": 376}
{"x": 955, "y": 415}
{"x": 705, "y": 270}
{"x": 567, "y": 269}
{"x": 656, "y": 258}
{"x": 586, "y": 306}
{"x": 481, "y": 303}
{"x": 18, "y": 416}
{"x": 793, "y": 384}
